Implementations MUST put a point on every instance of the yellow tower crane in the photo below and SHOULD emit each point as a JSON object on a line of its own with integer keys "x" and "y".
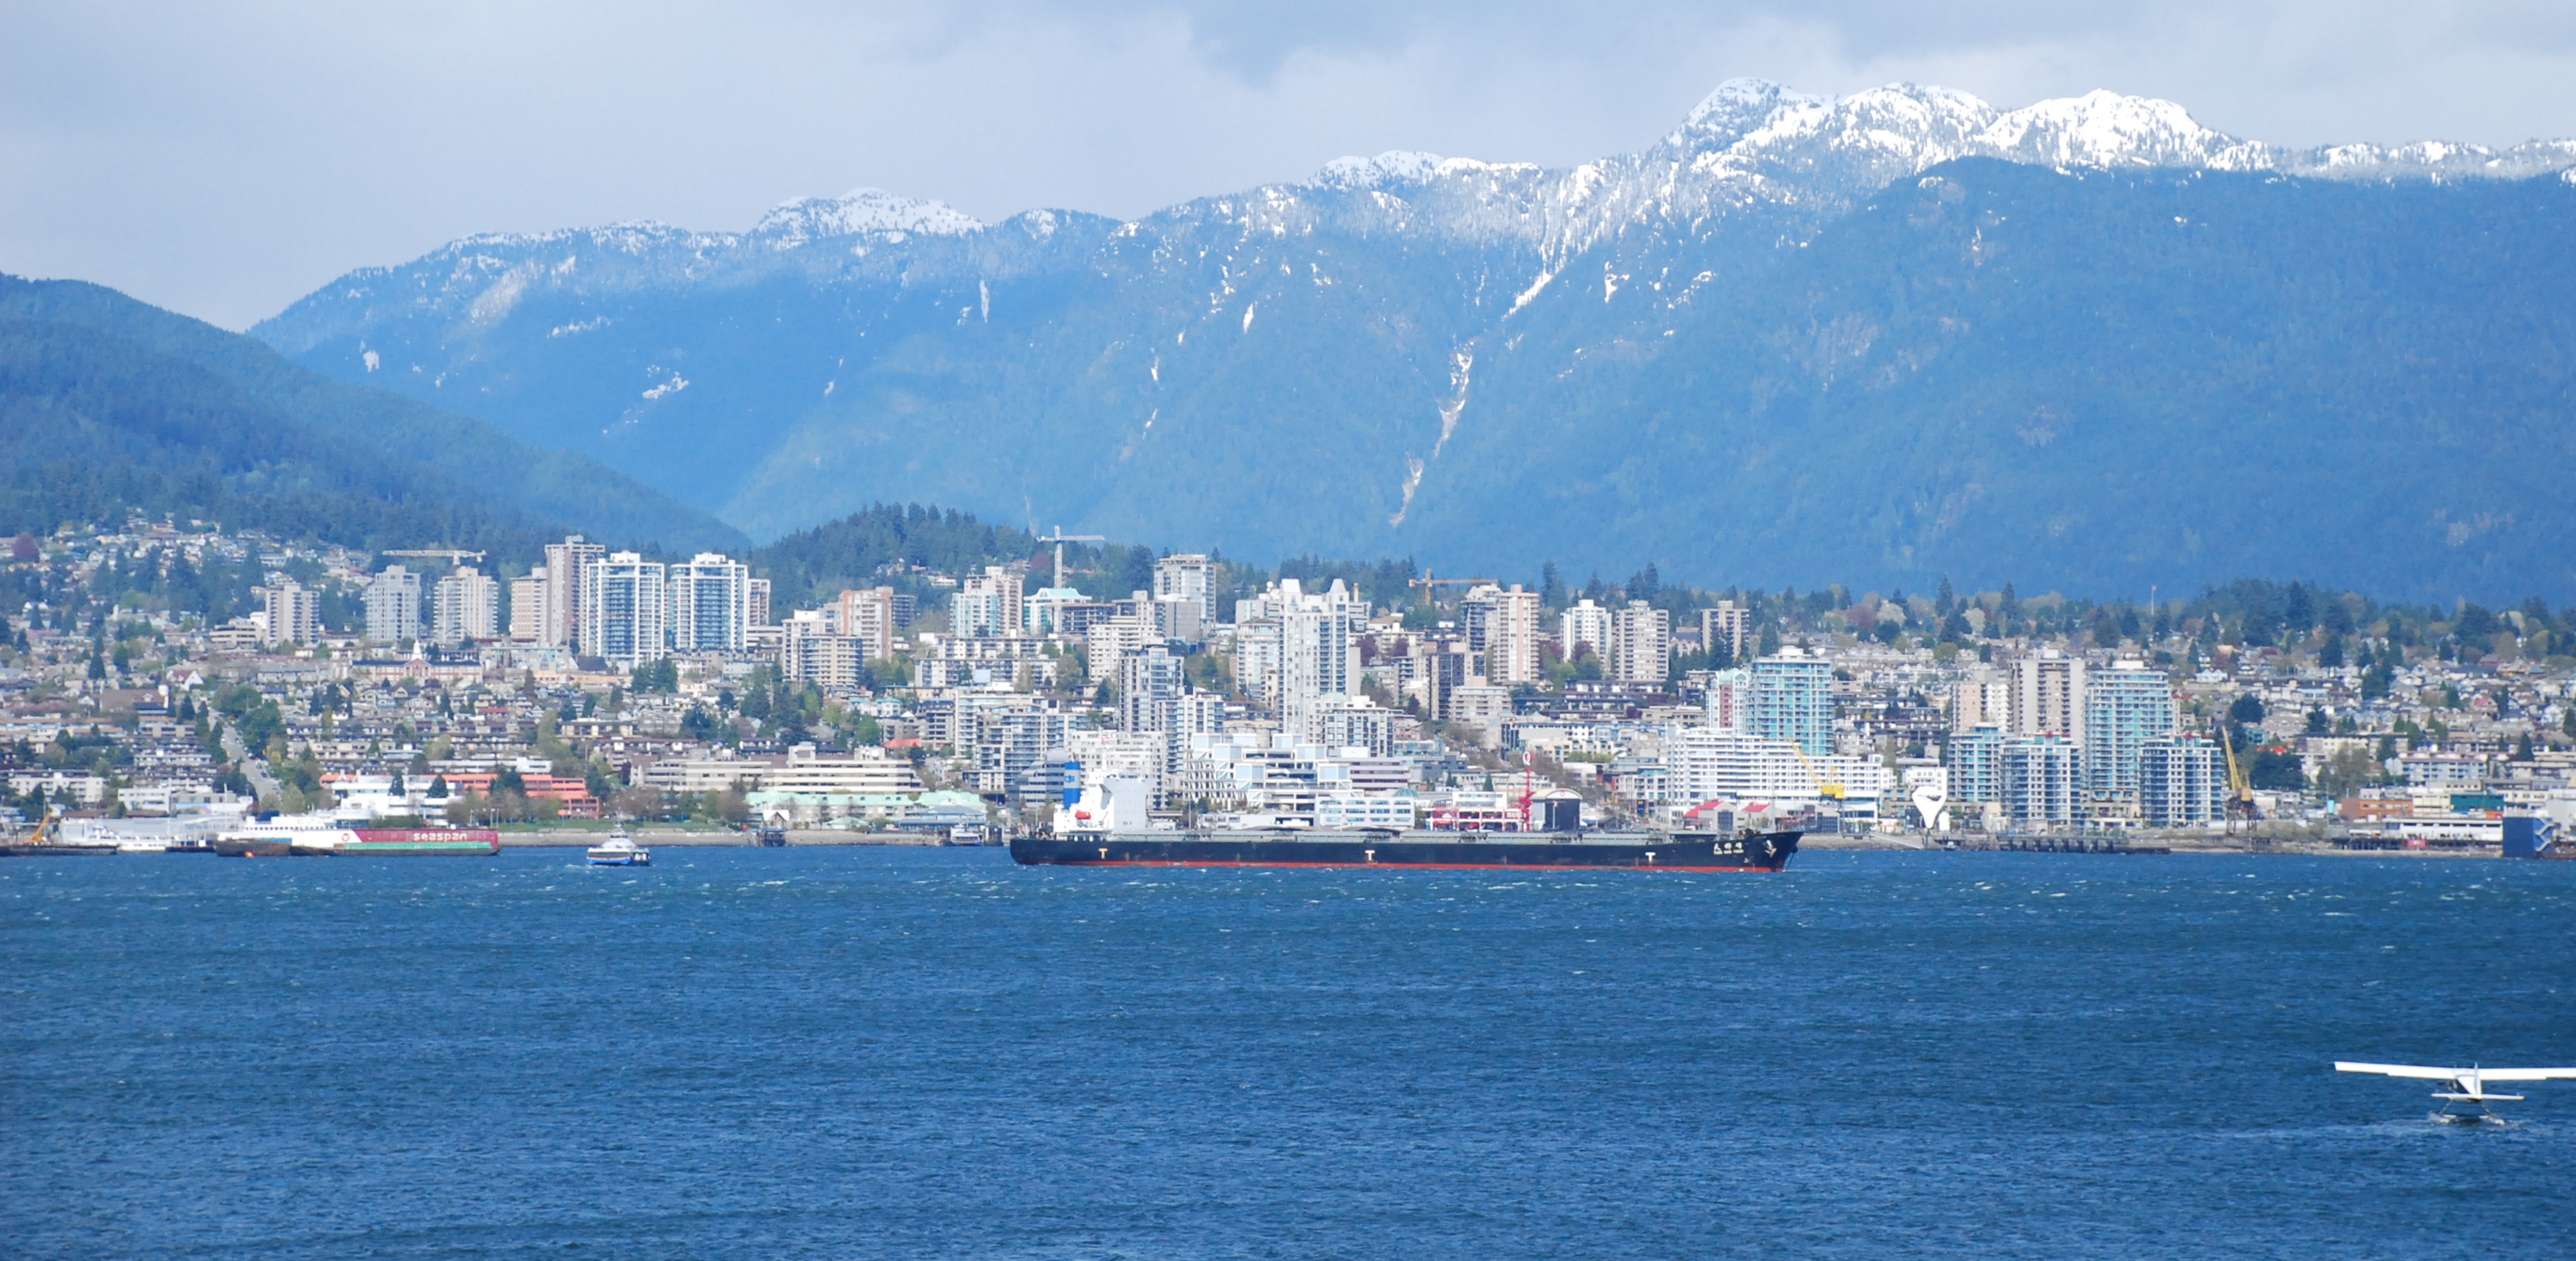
{"x": 2240, "y": 791}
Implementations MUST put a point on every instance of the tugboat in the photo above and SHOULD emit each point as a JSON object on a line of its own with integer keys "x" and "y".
{"x": 618, "y": 851}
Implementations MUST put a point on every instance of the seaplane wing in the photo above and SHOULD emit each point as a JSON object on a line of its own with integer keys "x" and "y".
{"x": 2405, "y": 1070}
{"x": 2430, "y": 1073}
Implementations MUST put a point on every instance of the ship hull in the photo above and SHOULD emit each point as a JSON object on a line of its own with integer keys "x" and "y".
{"x": 1760, "y": 852}
{"x": 363, "y": 843}
{"x": 402, "y": 849}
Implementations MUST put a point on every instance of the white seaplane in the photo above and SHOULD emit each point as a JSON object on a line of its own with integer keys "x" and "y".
{"x": 2468, "y": 1086}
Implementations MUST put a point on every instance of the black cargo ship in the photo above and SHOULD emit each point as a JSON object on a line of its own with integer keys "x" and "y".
{"x": 1641, "y": 851}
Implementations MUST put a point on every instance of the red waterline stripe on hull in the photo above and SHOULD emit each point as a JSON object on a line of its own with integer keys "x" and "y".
{"x": 1121, "y": 862}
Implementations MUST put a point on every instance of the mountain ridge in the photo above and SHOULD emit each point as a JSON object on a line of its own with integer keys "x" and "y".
{"x": 1300, "y": 366}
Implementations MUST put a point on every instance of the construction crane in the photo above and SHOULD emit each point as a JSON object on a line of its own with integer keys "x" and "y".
{"x": 1426, "y": 581}
{"x": 1060, "y": 538}
{"x": 1824, "y": 787}
{"x": 2240, "y": 793}
{"x": 49, "y": 829}
{"x": 450, "y": 555}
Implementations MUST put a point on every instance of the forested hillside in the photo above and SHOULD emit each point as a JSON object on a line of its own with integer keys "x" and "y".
{"x": 109, "y": 405}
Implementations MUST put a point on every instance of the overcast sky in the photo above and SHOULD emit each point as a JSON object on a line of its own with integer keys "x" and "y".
{"x": 224, "y": 159}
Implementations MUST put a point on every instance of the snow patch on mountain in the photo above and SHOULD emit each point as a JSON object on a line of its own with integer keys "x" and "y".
{"x": 1395, "y": 166}
{"x": 861, "y": 210}
{"x": 2106, "y": 129}
{"x": 1739, "y": 106}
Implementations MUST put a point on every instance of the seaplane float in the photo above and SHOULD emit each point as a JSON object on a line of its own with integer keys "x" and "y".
{"x": 2467, "y": 1101}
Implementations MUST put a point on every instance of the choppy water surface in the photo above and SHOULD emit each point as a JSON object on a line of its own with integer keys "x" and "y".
{"x": 931, "y": 1053}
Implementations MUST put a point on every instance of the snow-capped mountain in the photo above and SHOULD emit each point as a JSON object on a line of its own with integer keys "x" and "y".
{"x": 864, "y": 211}
{"x": 1431, "y": 337}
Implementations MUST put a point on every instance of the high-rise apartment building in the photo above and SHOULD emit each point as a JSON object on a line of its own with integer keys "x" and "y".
{"x": 755, "y": 598}
{"x": 868, "y": 616}
{"x": 566, "y": 563}
{"x": 1503, "y": 625}
{"x": 1174, "y": 617}
{"x": 1729, "y": 699}
{"x": 2048, "y": 696}
{"x": 623, "y": 610}
{"x": 2041, "y": 780}
{"x": 1149, "y": 689}
{"x": 812, "y": 650}
{"x": 987, "y": 604}
{"x": 393, "y": 605}
{"x": 464, "y": 606}
{"x": 1477, "y": 614}
{"x": 528, "y": 607}
{"x": 1445, "y": 663}
{"x": 294, "y": 613}
{"x": 1641, "y": 649}
{"x": 2181, "y": 782}
{"x": 1585, "y": 625}
{"x": 1256, "y": 657}
{"x": 1187, "y": 577}
{"x": 1981, "y": 700}
{"x": 710, "y": 599}
{"x": 1319, "y": 656}
{"x": 2124, "y": 707}
{"x": 1723, "y": 624}
{"x": 1793, "y": 700}
{"x": 1976, "y": 761}
{"x": 1106, "y": 643}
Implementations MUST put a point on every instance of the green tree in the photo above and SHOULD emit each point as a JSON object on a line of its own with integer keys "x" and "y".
{"x": 2346, "y": 773}
{"x": 2277, "y": 769}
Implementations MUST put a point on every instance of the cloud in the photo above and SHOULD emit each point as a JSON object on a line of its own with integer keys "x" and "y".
{"x": 224, "y": 160}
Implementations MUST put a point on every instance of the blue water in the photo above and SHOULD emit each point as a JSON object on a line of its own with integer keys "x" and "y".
{"x": 932, "y": 1053}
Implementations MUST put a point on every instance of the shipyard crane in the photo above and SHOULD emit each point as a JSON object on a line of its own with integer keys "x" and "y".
{"x": 2240, "y": 792}
{"x": 2468, "y": 1085}
{"x": 1824, "y": 787}
{"x": 1060, "y": 538}
{"x": 49, "y": 829}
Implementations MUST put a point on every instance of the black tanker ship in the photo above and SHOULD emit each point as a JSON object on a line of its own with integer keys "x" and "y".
{"x": 1640, "y": 851}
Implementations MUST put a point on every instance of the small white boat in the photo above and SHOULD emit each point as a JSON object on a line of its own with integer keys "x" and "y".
{"x": 617, "y": 851}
